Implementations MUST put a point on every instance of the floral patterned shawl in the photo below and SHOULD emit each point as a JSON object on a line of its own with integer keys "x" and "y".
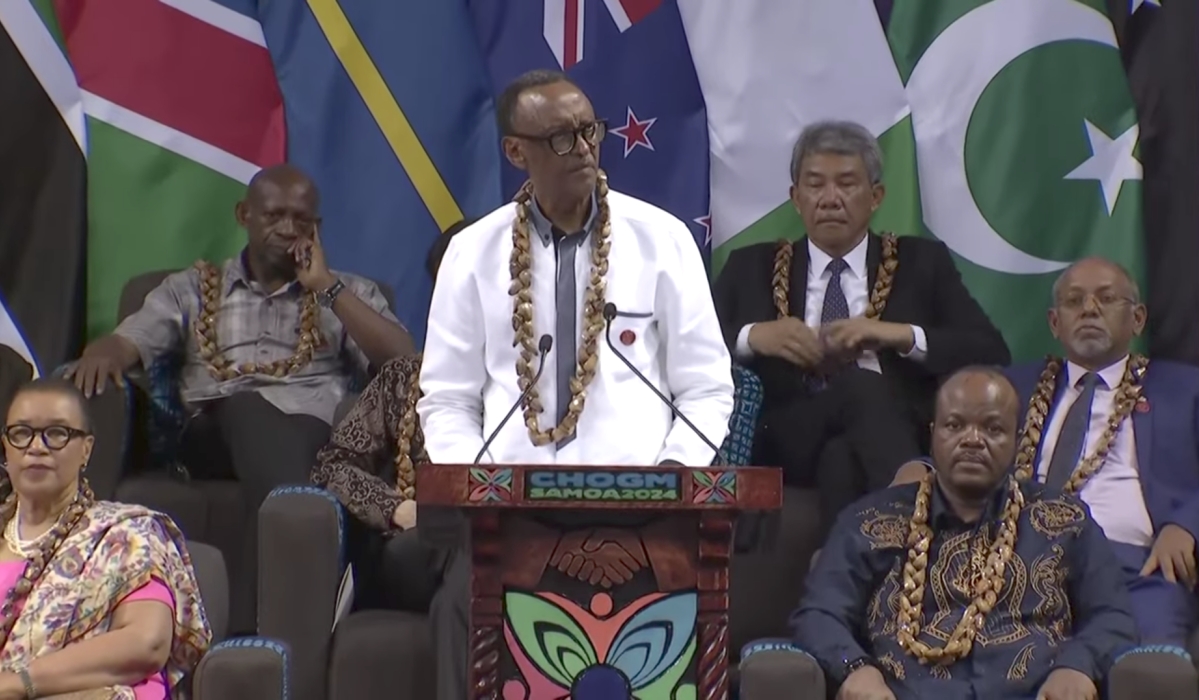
{"x": 113, "y": 551}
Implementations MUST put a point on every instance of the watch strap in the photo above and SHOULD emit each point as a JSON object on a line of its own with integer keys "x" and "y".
{"x": 327, "y": 297}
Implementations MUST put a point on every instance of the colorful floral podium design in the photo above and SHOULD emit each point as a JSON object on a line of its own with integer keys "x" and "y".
{"x": 599, "y": 583}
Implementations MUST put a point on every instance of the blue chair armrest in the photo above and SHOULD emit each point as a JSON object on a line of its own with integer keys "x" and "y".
{"x": 248, "y": 668}
{"x": 776, "y": 668}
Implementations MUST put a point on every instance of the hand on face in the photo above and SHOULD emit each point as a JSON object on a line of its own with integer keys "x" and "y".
{"x": 311, "y": 269}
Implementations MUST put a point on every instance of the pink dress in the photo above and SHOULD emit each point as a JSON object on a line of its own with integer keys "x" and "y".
{"x": 154, "y": 687}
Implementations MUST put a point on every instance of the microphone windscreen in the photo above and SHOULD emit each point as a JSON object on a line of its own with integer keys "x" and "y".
{"x": 609, "y": 311}
{"x": 546, "y": 343}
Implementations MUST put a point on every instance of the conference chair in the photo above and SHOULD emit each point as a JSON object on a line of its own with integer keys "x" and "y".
{"x": 303, "y": 534}
{"x": 134, "y": 461}
{"x": 250, "y": 668}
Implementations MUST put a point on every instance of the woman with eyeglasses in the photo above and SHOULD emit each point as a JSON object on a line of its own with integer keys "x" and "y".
{"x": 98, "y": 600}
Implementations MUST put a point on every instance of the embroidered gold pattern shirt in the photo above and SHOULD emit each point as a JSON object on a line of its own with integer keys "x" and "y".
{"x": 1063, "y": 604}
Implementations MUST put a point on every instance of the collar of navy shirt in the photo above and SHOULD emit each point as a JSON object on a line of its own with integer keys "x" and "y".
{"x": 942, "y": 516}
{"x": 547, "y": 232}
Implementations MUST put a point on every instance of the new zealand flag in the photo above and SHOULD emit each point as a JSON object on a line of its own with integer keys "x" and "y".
{"x": 631, "y": 58}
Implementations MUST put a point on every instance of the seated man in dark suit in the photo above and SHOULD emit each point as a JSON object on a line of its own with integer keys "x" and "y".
{"x": 1122, "y": 433}
{"x": 969, "y": 584}
{"x": 849, "y": 330}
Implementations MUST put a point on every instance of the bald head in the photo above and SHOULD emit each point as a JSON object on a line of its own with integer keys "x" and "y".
{"x": 974, "y": 433}
{"x": 1095, "y": 266}
{"x": 1096, "y": 312}
{"x": 281, "y": 207}
{"x": 283, "y": 176}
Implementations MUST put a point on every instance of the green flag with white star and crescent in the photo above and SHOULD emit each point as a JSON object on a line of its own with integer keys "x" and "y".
{"x": 1026, "y": 145}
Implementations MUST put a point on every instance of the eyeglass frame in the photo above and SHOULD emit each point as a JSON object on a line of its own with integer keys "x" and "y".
{"x": 1114, "y": 302}
{"x": 575, "y": 133}
{"x": 72, "y": 433}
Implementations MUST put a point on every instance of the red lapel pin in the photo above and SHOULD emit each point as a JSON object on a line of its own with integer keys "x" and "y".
{"x": 1142, "y": 405}
{"x": 627, "y": 337}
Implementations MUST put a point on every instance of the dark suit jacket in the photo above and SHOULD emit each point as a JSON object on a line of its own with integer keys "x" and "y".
{"x": 1167, "y": 438}
{"x": 927, "y": 291}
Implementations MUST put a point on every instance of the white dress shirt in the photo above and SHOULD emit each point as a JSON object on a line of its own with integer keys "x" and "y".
{"x": 855, "y": 284}
{"x": 667, "y": 328}
{"x": 1114, "y": 492}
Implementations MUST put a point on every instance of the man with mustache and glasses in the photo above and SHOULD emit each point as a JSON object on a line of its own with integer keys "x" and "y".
{"x": 1122, "y": 433}
{"x": 268, "y": 341}
{"x": 849, "y": 330}
{"x": 970, "y": 583}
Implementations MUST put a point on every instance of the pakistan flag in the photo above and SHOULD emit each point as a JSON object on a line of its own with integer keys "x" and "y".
{"x": 1008, "y": 129}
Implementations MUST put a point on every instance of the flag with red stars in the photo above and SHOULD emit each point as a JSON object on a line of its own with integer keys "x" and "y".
{"x": 632, "y": 59}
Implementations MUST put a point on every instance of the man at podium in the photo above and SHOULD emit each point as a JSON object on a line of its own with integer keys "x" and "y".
{"x": 572, "y": 304}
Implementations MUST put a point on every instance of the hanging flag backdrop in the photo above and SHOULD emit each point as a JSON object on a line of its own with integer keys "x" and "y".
{"x": 389, "y": 108}
{"x": 1022, "y": 133}
{"x": 631, "y": 58}
{"x": 42, "y": 197}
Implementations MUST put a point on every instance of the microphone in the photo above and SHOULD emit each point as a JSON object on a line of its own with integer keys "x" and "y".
{"x": 609, "y": 314}
{"x": 543, "y": 348}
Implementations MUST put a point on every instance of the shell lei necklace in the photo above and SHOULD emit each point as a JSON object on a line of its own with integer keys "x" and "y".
{"x": 1128, "y": 394}
{"x": 987, "y": 584}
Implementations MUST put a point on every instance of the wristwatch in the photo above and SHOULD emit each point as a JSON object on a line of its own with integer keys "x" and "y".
{"x": 856, "y": 665}
{"x": 327, "y": 297}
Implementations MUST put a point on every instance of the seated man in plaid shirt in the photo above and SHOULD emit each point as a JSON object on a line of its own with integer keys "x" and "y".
{"x": 269, "y": 340}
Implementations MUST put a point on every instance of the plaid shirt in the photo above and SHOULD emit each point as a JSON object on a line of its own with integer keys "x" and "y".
{"x": 253, "y": 326}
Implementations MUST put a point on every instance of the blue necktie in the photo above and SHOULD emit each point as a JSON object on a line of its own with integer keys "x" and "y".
{"x": 1073, "y": 434}
{"x": 835, "y": 308}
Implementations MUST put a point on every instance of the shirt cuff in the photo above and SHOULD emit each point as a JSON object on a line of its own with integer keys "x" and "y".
{"x": 919, "y": 349}
{"x": 742, "y": 351}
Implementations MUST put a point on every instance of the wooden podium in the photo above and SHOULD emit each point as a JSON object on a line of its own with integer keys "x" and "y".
{"x": 599, "y": 583}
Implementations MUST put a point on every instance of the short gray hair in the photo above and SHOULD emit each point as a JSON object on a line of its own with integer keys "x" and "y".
{"x": 844, "y": 138}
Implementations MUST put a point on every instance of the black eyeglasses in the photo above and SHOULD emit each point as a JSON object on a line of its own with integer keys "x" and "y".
{"x": 564, "y": 141}
{"x": 54, "y": 437}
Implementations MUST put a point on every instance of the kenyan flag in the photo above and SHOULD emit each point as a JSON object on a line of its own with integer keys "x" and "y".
{"x": 182, "y": 107}
{"x": 42, "y": 191}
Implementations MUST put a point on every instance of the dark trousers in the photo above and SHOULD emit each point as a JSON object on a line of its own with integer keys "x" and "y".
{"x": 1166, "y": 613}
{"x": 846, "y": 440}
{"x": 245, "y": 437}
{"x": 398, "y": 572}
{"x": 449, "y": 617}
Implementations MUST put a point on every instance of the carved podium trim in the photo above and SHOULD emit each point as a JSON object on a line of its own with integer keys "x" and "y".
{"x": 525, "y": 624}
{"x": 714, "y": 487}
{"x": 490, "y": 485}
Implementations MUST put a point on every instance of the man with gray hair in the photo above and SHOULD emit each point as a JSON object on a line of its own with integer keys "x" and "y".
{"x": 850, "y": 330}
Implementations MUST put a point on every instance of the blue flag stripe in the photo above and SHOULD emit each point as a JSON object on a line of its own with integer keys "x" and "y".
{"x": 376, "y": 223}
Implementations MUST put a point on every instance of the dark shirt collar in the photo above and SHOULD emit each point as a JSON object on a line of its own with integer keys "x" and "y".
{"x": 546, "y": 230}
{"x": 941, "y": 515}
